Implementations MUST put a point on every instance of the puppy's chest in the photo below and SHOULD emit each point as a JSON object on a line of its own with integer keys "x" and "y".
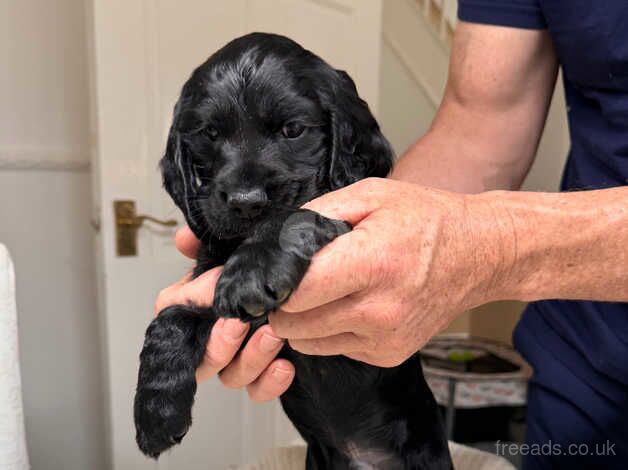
{"x": 337, "y": 401}
{"x": 363, "y": 457}
{"x": 336, "y": 385}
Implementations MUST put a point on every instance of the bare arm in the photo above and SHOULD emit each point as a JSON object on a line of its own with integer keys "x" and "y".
{"x": 489, "y": 124}
{"x": 485, "y": 136}
{"x": 557, "y": 245}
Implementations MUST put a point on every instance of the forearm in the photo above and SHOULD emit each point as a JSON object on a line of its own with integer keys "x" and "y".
{"x": 555, "y": 245}
{"x": 490, "y": 121}
{"x": 450, "y": 160}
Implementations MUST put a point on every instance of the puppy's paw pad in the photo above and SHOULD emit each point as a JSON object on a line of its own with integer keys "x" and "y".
{"x": 280, "y": 296}
{"x": 159, "y": 425}
{"x": 255, "y": 282}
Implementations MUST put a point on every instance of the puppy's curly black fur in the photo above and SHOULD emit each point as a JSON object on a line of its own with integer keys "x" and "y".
{"x": 262, "y": 127}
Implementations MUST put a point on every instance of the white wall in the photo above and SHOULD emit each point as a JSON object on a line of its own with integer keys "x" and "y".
{"x": 44, "y": 220}
{"x": 405, "y": 111}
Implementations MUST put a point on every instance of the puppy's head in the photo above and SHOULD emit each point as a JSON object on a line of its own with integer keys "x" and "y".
{"x": 264, "y": 124}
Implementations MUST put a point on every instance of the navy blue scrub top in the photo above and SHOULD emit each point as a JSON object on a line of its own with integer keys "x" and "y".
{"x": 589, "y": 339}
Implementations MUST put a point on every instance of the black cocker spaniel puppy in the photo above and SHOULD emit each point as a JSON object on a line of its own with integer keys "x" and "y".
{"x": 262, "y": 127}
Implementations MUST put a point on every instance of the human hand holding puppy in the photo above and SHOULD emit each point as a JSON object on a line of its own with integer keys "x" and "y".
{"x": 408, "y": 268}
{"x": 255, "y": 367}
{"x": 416, "y": 259}
{"x": 376, "y": 294}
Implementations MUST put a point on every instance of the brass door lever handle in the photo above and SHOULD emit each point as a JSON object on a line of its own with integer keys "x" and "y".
{"x": 138, "y": 220}
{"x": 127, "y": 224}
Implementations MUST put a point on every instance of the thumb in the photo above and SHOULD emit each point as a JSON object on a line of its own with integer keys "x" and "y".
{"x": 352, "y": 203}
{"x": 338, "y": 270}
{"x": 342, "y": 267}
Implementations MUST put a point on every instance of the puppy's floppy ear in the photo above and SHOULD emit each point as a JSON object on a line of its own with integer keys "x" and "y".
{"x": 358, "y": 148}
{"x": 179, "y": 175}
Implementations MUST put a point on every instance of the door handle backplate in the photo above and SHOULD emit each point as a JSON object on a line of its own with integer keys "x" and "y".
{"x": 127, "y": 224}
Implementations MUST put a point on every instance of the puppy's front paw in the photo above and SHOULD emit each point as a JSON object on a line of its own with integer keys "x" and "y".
{"x": 261, "y": 274}
{"x": 256, "y": 280}
{"x": 173, "y": 349}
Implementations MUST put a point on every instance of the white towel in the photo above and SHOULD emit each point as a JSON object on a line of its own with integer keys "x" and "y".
{"x": 13, "y": 454}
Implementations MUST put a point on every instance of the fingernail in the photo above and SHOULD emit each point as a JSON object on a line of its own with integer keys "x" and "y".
{"x": 269, "y": 343}
{"x": 281, "y": 375}
{"x": 234, "y": 329}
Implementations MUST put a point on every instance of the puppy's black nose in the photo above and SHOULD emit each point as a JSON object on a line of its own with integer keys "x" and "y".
{"x": 246, "y": 203}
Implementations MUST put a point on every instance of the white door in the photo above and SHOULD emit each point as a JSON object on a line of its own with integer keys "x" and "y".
{"x": 141, "y": 52}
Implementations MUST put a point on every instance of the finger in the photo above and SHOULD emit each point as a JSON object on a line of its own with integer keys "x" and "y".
{"x": 199, "y": 291}
{"x": 344, "y": 343}
{"x": 343, "y": 260}
{"x": 166, "y": 296}
{"x": 259, "y": 352}
{"x": 370, "y": 358}
{"x": 352, "y": 203}
{"x": 374, "y": 360}
{"x": 186, "y": 242}
{"x": 339, "y": 316}
{"x": 361, "y": 357}
{"x": 341, "y": 267}
{"x": 379, "y": 360}
{"x": 224, "y": 341}
{"x": 274, "y": 381}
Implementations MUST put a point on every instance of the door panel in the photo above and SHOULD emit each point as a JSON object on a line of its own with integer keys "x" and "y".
{"x": 346, "y": 33}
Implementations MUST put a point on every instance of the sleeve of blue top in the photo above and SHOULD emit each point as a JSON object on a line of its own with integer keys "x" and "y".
{"x": 525, "y": 14}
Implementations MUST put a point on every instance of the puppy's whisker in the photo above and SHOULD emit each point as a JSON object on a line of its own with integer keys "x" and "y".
{"x": 195, "y": 212}
{"x": 205, "y": 233}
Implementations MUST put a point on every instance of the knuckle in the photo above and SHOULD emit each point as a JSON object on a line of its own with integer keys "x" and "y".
{"x": 253, "y": 367}
{"x": 229, "y": 381}
{"x": 159, "y": 302}
{"x": 398, "y": 350}
{"x": 389, "y": 319}
{"x": 257, "y": 394}
{"x": 316, "y": 348}
{"x": 391, "y": 361}
{"x": 253, "y": 394}
{"x": 278, "y": 325}
{"x": 371, "y": 344}
{"x": 212, "y": 360}
{"x": 396, "y": 361}
{"x": 295, "y": 344}
{"x": 370, "y": 184}
{"x": 163, "y": 299}
{"x": 303, "y": 346}
{"x": 296, "y": 300}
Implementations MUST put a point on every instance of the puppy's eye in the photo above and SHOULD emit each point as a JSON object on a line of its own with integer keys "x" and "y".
{"x": 211, "y": 132}
{"x": 292, "y": 130}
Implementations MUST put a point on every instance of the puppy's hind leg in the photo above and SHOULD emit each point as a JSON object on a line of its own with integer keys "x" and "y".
{"x": 173, "y": 349}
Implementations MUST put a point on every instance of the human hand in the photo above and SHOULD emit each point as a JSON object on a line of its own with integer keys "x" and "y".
{"x": 416, "y": 259}
{"x": 256, "y": 366}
